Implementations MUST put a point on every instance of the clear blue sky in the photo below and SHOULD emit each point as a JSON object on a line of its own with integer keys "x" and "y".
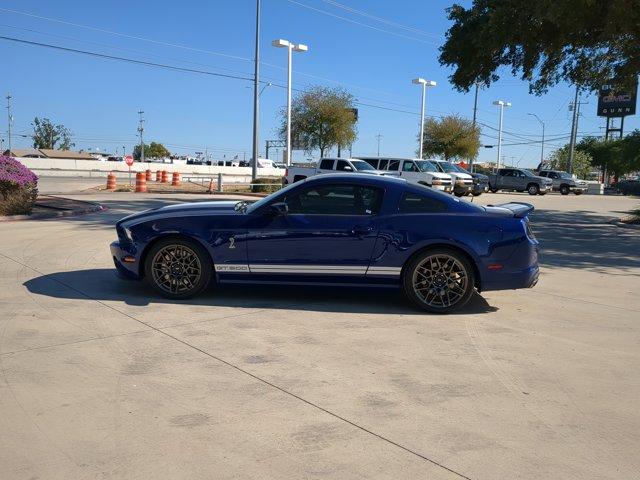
{"x": 374, "y": 58}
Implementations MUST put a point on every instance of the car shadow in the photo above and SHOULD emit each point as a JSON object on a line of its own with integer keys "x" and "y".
{"x": 101, "y": 284}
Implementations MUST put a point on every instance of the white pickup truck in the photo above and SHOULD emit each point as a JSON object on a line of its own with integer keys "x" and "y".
{"x": 329, "y": 165}
{"x": 414, "y": 170}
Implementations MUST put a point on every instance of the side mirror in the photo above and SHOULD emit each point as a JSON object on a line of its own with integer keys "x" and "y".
{"x": 278, "y": 209}
{"x": 348, "y": 168}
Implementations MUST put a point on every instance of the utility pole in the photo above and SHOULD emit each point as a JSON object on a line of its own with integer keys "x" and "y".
{"x": 574, "y": 130}
{"x": 379, "y": 137}
{"x": 140, "y": 130}
{"x": 256, "y": 95}
{"x": 475, "y": 114}
{"x": 10, "y": 120}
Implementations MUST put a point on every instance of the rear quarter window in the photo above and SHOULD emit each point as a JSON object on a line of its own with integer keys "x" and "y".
{"x": 326, "y": 165}
{"x": 416, "y": 203}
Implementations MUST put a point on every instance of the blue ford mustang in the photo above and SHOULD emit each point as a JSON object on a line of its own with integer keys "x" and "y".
{"x": 335, "y": 229}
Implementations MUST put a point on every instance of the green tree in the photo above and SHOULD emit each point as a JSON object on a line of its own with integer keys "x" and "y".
{"x": 151, "y": 150}
{"x": 559, "y": 160}
{"x": 47, "y": 135}
{"x": 585, "y": 42}
{"x": 451, "y": 137}
{"x": 321, "y": 118}
{"x": 617, "y": 156}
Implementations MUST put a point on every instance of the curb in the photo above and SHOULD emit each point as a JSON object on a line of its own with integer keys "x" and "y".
{"x": 93, "y": 208}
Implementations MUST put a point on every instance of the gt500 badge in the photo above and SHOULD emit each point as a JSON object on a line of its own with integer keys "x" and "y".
{"x": 232, "y": 268}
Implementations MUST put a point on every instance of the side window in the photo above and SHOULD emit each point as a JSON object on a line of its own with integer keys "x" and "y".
{"x": 372, "y": 161}
{"x": 336, "y": 200}
{"x": 409, "y": 166}
{"x": 503, "y": 172}
{"x": 553, "y": 175}
{"x": 344, "y": 166}
{"x": 394, "y": 165}
{"x": 326, "y": 165}
{"x": 519, "y": 174}
{"x": 384, "y": 164}
{"x": 543, "y": 174}
{"x": 415, "y": 203}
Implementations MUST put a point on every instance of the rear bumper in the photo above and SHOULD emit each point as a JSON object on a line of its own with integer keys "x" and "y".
{"x": 124, "y": 270}
{"x": 526, "y": 278}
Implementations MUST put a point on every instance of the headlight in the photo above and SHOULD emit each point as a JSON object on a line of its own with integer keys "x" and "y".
{"x": 436, "y": 182}
{"x": 127, "y": 234}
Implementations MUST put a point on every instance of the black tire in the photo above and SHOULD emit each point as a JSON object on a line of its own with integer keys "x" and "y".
{"x": 431, "y": 298}
{"x": 476, "y": 194}
{"x": 533, "y": 189}
{"x": 459, "y": 194}
{"x": 178, "y": 268}
{"x": 564, "y": 190}
{"x": 493, "y": 190}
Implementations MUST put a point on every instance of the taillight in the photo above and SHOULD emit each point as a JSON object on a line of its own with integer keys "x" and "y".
{"x": 527, "y": 228}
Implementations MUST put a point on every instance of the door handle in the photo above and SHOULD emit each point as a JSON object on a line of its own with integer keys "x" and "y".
{"x": 360, "y": 231}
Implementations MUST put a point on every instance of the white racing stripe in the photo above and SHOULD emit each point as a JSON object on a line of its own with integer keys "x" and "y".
{"x": 309, "y": 269}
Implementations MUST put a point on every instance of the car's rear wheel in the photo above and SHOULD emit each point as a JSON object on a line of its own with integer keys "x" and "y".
{"x": 533, "y": 189}
{"x": 476, "y": 194}
{"x": 493, "y": 190}
{"x": 440, "y": 280}
{"x": 178, "y": 268}
{"x": 564, "y": 190}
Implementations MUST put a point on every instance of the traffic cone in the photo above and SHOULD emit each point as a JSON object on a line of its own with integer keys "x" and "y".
{"x": 141, "y": 182}
{"x": 175, "y": 179}
{"x": 111, "y": 181}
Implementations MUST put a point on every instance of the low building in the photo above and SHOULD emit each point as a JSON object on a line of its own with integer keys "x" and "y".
{"x": 24, "y": 153}
{"x": 68, "y": 154}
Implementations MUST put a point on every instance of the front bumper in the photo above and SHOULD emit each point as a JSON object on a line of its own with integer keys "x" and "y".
{"x": 546, "y": 188}
{"x": 125, "y": 270}
{"x": 480, "y": 188}
{"x": 462, "y": 188}
{"x": 580, "y": 189}
{"x": 442, "y": 188}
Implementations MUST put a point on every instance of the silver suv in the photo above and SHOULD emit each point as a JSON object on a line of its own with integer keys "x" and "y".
{"x": 564, "y": 182}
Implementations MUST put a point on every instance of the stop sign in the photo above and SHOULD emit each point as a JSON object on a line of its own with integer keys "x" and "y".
{"x": 129, "y": 159}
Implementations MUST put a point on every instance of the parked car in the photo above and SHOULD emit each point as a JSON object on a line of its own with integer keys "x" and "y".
{"x": 462, "y": 180}
{"x": 480, "y": 183}
{"x": 339, "y": 229}
{"x": 519, "y": 180}
{"x": 296, "y": 173}
{"x": 414, "y": 170}
{"x": 564, "y": 182}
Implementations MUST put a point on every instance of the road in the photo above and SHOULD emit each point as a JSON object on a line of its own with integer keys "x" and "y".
{"x": 103, "y": 379}
{"x": 65, "y": 185}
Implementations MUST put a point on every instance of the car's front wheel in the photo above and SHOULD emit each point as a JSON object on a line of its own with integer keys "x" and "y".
{"x": 533, "y": 189}
{"x": 564, "y": 190}
{"x": 178, "y": 268}
{"x": 440, "y": 280}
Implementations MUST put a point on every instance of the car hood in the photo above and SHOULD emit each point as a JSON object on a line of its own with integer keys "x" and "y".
{"x": 480, "y": 176}
{"x": 226, "y": 207}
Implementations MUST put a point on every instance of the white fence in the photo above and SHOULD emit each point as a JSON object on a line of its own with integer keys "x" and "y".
{"x": 50, "y": 167}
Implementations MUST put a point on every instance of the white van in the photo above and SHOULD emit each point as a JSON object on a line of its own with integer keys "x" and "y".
{"x": 462, "y": 180}
{"x": 414, "y": 170}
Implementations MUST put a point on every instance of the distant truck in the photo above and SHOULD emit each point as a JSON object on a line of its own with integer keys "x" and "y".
{"x": 422, "y": 172}
{"x": 329, "y": 165}
{"x": 564, "y": 182}
{"x": 519, "y": 180}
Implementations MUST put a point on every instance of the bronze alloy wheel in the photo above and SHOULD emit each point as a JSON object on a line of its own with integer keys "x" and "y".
{"x": 440, "y": 280}
{"x": 178, "y": 268}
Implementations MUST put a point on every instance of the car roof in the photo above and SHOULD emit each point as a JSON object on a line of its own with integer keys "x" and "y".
{"x": 356, "y": 178}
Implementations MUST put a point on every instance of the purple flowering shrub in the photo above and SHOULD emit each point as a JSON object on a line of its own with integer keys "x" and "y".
{"x": 18, "y": 187}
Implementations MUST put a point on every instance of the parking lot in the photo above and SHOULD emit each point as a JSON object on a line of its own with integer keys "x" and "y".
{"x": 100, "y": 378}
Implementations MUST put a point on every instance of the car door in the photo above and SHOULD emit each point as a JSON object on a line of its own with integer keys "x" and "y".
{"x": 509, "y": 178}
{"x": 410, "y": 171}
{"x": 330, "y": 229}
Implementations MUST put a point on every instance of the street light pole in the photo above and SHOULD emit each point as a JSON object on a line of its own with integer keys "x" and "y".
{"x": 10, "y": 121}
{"x": 140, "y": 130}
{"x": 542, "y": 147}
{"x": 501, "y": 104}
{"x": 291, "y": 47}
{"x": 379, "y": 137}
{"x": 425, "y": 84}
{"x": 256, "y": 95}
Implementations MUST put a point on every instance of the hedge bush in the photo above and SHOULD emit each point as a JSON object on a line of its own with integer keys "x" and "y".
{"x": 18, "y": 187}
{"x": 266, "y": 184}
{"x": 628, "y": 187}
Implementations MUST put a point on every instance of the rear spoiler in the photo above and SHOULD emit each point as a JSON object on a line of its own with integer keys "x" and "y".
{"x": 519, "y": 209}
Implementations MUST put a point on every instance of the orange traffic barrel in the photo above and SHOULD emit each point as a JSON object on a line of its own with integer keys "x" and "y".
{"x": 175, "y": 179}
{"x": 111, "y": 181}
{"x": 158, "y": 176}
{"x": 141, "y": 182}
{"x": 148, "y": 175}
{"x": 165, "y": 176}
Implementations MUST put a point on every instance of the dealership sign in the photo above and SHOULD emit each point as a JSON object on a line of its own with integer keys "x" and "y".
{"x": 612, "y": 103}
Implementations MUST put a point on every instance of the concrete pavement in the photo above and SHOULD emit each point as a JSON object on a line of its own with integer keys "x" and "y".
{"x": 102, "y": 379}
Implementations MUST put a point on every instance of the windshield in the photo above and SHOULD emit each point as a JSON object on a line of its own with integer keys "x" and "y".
{"x": 458, "y": 168}
{"x": 565, "y": 175}
{"x": 527, "y": 173}
{"x": 447, "y": 167}
{"x": 263, "y": 201}
{"x": 361, "y": 165}
{"x": 426, "y": 166}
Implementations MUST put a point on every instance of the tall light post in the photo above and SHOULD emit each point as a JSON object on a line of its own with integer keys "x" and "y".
{"x": 9, "y": 121}
{"x": 256, "y": 95}
{"x": 291, "y": 47}
{"x": 140, "y": 132}
{"x": 501, "y": 104}
{"x": 542, "y": 148}
{"x": 425, "y": 84}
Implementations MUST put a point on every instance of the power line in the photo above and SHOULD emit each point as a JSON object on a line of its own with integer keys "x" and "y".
{"x": 372, "y": 27}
